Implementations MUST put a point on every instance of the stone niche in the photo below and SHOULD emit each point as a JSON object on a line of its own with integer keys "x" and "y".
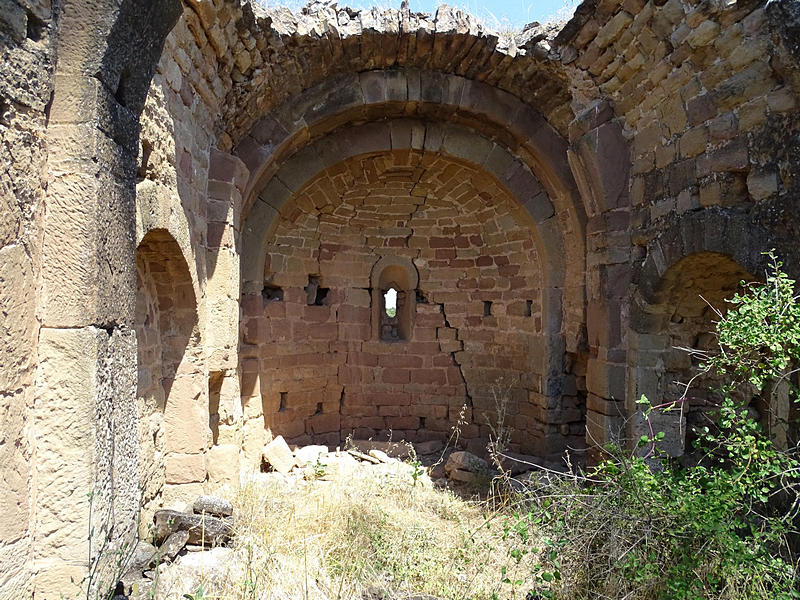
{"x": 173, "y": 425}
{"x": 454, "y": 245}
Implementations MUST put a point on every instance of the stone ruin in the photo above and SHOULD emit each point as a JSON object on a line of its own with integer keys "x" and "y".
{"x": 204, "y": 205}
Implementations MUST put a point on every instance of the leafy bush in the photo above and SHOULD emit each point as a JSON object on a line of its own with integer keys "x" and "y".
{"x": 640, "y": 527}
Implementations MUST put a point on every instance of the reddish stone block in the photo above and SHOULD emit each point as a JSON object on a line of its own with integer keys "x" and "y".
{"x": 354, "y": 331}
{"x": 316, "y": 314}
{"x": 400, "y": 360}
{"x": 252, "y": 305}
{"x": 429, "y": 376}
{"x": 392, "y": 399}
{"x": 323, "y": 423}
{"x": 353, "y": 314}
{"x": 274, "y": 309}
{"x": 362, "y": 359}
{"x": 349, "y": 375}
{"x": 443, "y": 360}
{"x": 395, "y": 375}
{"x": 323, "y": 331}
{"x": 438, "y": 242}
{"x": 395, "y": 423}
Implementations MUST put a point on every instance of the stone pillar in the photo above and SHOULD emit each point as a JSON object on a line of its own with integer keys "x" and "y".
{"x": 600, "y": 160}
{"x": 238, "y": 430}
{"x": 84, "y": 407}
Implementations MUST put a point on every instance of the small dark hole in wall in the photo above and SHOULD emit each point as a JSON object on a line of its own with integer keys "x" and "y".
{"x": 529, "y": 308}
{"x": 272, "y": 293}
{"x": 422, "y": 422}
{"x": 147, "y": 150}
{"x": 319, "y": 408}
{"x": 123, "y": 87}
{"x": 282, "y": 406}
{"x": 421, "y": 298}
{"x": 36, "y": 27}
{"x": 214, "y": 390}
{"x": 5, "y": 106}
{"x": 487, "y": 308}
{"x": 316, "y": 295}
{"x": 321, "y": 299}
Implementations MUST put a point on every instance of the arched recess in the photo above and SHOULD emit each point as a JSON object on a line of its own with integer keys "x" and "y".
{"x": 173, "y": 416}
{"x": 691, "y": 269}
{"x": 515, "y": 143}
{"x": 413, "y": 111}
{"x": 412, "y": 217}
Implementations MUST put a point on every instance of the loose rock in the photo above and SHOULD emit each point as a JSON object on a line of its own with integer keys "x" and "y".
{"x": 212, "y": 505}
{"x": 309, "y": 454}
{"x": 465, "y": 461}
{"x": 173, "y": 544}
{"x": 202, "y": 529}
{"x": 279, "y": 456}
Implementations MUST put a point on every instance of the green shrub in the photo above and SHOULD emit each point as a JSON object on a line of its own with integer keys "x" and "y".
{"x": 640, "y": 526}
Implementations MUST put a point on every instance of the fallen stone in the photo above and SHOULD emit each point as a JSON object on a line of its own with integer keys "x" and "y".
{"x": 437, "y": 471}
{"x": 462, "y": 476}
{"x": 210, "y": 568}
{"x": 278, "y": 455}
{"x": 172, "y": 545}
{"x": 203, "y": 529}
{"x": 394, "y": 449}
{"x": 212, "y": 505}
{"x": 363, "y": 457}
{"x": 143, "y": 557}
{"x": 381, "y": 456}
{"x": 465, "y": 461}
{"x": 309, "y": 454}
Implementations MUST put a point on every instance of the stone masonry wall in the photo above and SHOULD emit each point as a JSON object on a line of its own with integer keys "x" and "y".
{"x": 705, "y": 93}
{"x": 27, "y": 55}
{"x": 659, "y": 140}
{"x": 323, "y": 372}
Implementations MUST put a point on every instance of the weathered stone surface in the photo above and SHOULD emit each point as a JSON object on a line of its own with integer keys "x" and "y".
{"x": 172, "y": 545}
{"x": 208, "y": 568}
{"x": 381, "y": 456}
{"x": 202, "y": 529}
{"x": 213, "y": 505}
{"x": 278, "y": 455}
{"x": 143, "y": 557}
{"x": 456, "y": 165}
{"x": 465, "y": 461}
{"x": 309, "y": 454}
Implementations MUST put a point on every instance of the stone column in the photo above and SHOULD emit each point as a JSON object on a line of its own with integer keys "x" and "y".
{"x": 86, "y": 456}
{"x": 600, "y": 160}
{"x": 237, "y": 431}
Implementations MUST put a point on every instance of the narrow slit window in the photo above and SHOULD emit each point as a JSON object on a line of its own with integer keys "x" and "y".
{"x": 394, "y": 292}
{"x": 390, "y": 303}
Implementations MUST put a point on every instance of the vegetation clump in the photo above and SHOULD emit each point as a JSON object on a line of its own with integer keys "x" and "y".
{"x": 641, "y": 526}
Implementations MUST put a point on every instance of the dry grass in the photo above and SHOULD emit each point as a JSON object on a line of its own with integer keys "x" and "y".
{"x": 369, "y": 532}
{"x": 366, "y": 536}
